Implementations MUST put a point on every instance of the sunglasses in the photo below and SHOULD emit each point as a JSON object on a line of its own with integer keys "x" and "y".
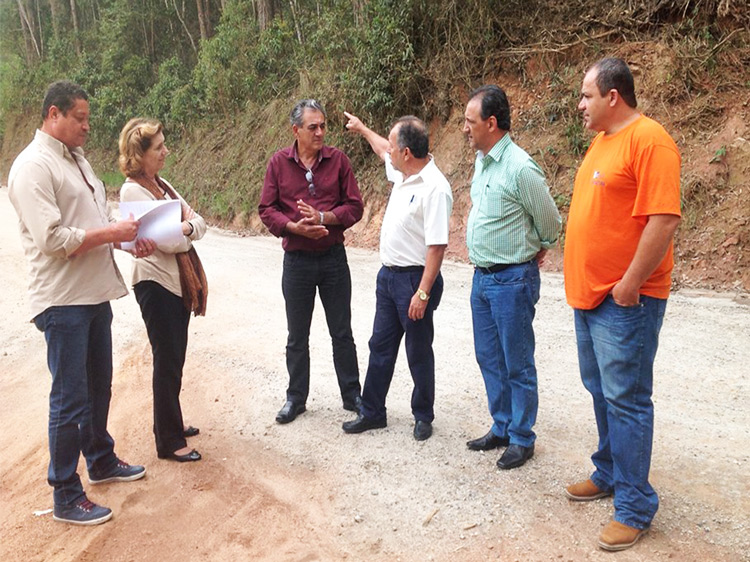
{"x": 310, "y": 184}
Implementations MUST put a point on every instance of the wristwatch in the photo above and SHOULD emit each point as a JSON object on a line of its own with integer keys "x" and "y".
{"x": 422, "y": 295}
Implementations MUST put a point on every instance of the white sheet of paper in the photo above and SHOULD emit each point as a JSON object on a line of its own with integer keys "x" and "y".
{"x": 161, "y": 221}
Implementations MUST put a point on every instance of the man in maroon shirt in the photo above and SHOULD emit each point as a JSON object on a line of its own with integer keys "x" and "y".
{"x": 310, "y": 196}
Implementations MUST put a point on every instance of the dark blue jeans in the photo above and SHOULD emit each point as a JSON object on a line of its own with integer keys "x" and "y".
{"x": 328, "y": 273}
{"x": 79, "y": 356}
{"x": 502, "y": 312}
{"x": 167, "y": 322}
{"x": 616, "y": 350}
{"x": 393, "y": 294}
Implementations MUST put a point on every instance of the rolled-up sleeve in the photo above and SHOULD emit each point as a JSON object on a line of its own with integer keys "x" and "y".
{"x": 33, "y": 196}
{"x": 199, "y": 230}
{"x": 349, "y": 211}
{"x": 199, "y": 227}
{"x": 197, "y": 222}
{"x": 536, "y": 199}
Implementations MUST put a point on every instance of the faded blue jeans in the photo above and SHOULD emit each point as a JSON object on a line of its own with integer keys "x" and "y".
{"x": 79, "y": 356}
{"x": 502, "y": 311}
{"x": 616, "y": 350}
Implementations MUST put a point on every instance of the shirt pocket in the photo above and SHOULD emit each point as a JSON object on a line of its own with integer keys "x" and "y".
{"x": 499, "y": 200}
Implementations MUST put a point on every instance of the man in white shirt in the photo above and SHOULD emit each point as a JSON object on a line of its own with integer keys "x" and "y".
{"x": 68, "y": 236}
{"x": 413, "y": 239}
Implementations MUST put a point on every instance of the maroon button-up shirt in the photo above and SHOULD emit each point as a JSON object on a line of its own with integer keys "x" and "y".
{"x": 336, "y": 190}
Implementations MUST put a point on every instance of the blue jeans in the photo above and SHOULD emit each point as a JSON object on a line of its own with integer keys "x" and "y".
{"x": 502, "y": 312}
{"x": 328, "y": 273}
{"x": 616, "y": 350}
{"x": 79, "y": 356}
{"x": 393, "y": 294}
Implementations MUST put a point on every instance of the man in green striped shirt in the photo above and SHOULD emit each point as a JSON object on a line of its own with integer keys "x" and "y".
{"x": 512, "y": 223}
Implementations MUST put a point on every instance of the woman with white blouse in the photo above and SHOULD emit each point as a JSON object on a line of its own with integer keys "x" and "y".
{"x": 168, "y": 285}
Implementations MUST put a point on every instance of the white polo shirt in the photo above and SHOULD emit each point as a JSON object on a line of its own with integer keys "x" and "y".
{"x": 417, "y": 215}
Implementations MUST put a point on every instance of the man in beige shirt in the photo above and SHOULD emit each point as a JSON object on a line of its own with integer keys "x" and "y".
{"x": 68, "y": 236}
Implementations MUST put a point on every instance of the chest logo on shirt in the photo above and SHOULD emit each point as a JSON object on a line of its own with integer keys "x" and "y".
{"x": 598, "y": 179}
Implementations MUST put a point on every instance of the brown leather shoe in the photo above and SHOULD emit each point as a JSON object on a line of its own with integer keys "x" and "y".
{"x": 585, "y": 491}
{"x": 616, "y": 536}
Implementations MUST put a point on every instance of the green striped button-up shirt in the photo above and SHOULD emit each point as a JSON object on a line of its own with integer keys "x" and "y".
{"x": 513, "y": 215}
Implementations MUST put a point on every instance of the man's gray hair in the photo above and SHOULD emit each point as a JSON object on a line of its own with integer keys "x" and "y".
{"x": 295, "y": 117}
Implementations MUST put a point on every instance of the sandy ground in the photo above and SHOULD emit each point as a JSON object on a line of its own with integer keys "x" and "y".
{"x": 308, "y": 492}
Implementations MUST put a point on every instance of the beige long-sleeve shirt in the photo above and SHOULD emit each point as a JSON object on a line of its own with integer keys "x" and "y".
{"x": 55, "y": 207}
{"x": 161, "y": 266}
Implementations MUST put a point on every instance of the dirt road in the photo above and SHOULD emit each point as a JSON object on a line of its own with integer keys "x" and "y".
{"x": 308, "y": 492}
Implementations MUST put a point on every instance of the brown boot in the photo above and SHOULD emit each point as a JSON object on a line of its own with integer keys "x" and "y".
{"x": 616, "y": 536}
{"x": 585, "y": 491}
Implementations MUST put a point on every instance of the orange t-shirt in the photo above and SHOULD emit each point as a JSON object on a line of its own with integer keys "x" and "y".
{"x": 624, "y": 178}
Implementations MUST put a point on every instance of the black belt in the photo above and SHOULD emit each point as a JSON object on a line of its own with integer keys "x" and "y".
{"x": 407, "y": 269}
{"x": 495, "y": 268}
{"x": 319, "y": 253}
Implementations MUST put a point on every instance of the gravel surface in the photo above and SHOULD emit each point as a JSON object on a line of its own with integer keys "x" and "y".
{"x": 306, "y": 491}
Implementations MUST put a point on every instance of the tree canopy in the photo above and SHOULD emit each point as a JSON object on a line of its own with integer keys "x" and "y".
{"x": 182, "y": 61}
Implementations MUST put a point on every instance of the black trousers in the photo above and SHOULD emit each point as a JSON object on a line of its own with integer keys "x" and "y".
{"x": 328, "y": 273}
{"x": 393, "y": 294}
{"x": 167, "y": 322}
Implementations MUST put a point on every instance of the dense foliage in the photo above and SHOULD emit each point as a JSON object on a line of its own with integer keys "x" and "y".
{"x": 185, "y": 60}
{"x": 221, "y": 74}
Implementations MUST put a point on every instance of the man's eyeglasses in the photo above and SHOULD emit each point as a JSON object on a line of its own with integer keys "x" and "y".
{"x": 310, "y": 184}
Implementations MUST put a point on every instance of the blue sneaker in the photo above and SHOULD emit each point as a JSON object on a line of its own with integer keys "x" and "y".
{"x": 84, "y": 512}
{"x": 122, "y": 472}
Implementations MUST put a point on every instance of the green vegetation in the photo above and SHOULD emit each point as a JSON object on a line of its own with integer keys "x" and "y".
{"x": 222, "y": 74}
{"x": 719, "y": 155}
{"x": 112, "y": 178}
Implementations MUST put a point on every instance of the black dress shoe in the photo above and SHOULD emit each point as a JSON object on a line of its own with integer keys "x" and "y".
{"x": 191, "y": 431}
{"x": 487, "y": 442}
{"x": 515, "y": 456}
{"x": 422, "y": 430}
{"x": 353, "y": 404}
{"x": 289, "y": 412}
{"x": 363, "y": 424}
{"x": 187, "y": 457}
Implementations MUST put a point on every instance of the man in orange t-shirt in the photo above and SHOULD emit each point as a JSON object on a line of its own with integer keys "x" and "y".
{"x": 618, "y": 262}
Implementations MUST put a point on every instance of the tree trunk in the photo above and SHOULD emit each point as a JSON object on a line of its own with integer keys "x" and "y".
{"x": 76, "y": 31}
{"x": 184, "y": 25}
{"x": 26, "y": 39}
{"x": 204, "y": 18}
{"x": 55, "y": 14}
{"x": 265, "y": 10}
{"x": 293, "y": 6}
{"x": 39, "y": 23}
{"x": 209, "y": 26}
{"x": 28, "y": 28}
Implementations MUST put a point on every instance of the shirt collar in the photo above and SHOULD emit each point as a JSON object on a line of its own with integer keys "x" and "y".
{"x": 421, "y": 173}
{"x": 292, "y": 153}
{"x": 55, "y": 145}
{"x": 496, "y": 152}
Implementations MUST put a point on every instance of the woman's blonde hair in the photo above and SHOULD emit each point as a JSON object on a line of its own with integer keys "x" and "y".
{"x": 135, "y": 139}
